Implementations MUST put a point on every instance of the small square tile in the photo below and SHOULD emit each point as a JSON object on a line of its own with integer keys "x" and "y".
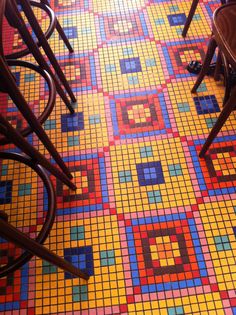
{"x": 80, "y": 293}
{"x": 222, "y": 243}
{"x": 24, "y": 190}
{"x": 77, "y": 233}
{"x": 206, "y": 104}
{"x": 5, "y": 192}
{"x": 150, "y": 173}
{"x": 73, "y": 141}
{"x": 73, "y": 122}
{"x": 177, "y": 19}
{"x": 130, "y": 65}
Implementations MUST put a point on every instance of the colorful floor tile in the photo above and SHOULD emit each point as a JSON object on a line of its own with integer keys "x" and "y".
{"x": 152, "y": 224}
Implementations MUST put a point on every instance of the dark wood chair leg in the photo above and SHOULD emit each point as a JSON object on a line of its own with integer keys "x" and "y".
{"x": 227, "y": 81}
{"x": 3, "y": 215}
{"x": 15, "y": 19}
{"x": 210, "y": 53}
{"x": 63, "y": 36}
{"x": 13, "y": 235}
{"x": 27, "y": 113}
{"x": 218, "y": 67}
{"x": 16, "y": 138}
{"x": 227, "y": 109}
{"x": 60, "y": 30}
{"x": 190, "y": 17}
{"x": 45, "y": 45}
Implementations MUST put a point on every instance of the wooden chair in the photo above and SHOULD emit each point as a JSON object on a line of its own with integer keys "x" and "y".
{"x": 9, "y": 86}
{"x": 36, "y": 161}
{"x": 223, "y": 36}
{"x": 33, "y": 247}
{"x": 191, "y": 14}
{"x": 16, "y": 20}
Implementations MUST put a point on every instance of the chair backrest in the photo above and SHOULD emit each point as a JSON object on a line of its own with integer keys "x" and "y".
{"x": 224, "y": 29}
{"x": 2, "y": 10}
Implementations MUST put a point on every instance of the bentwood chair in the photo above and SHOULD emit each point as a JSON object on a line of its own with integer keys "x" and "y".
{"x": 223, "y": 36}
{"x": 191, "y": 14}
{"x": 30, "y": 246}
{"x": 15, "y": 19}
{"x": 8, "y": 85}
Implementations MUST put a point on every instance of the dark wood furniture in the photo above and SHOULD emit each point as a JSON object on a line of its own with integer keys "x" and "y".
{"x": 34, "y": 247}
{"x": 9, "y": 86}
{"x": 31, "y": 157}
{"x": 191, "y": 14}
{"x": 16, "y": 20}
{"x": 223, "y": 37}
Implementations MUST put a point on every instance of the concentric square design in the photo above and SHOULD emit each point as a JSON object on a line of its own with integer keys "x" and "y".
{"x": 152, "y": 223}
{"x": 139, "y": 113}
{"x": 216, "y": 173}
{"x": 132, "y": 27}
{"x": 111, "y": 7}
{"x": 181, "y": 53}
{"x": 13, "y": 286}
{"x": 81, "y": 73}
{"x": 165, "y": 253}
{"x": 61, "y": 5}
{"x": 90, "y": 179}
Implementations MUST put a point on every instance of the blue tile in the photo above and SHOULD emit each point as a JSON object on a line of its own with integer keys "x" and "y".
{"x": 150, "y": 173}
{"x": 206, "y": 104}
{"x": 177, "y": 19}
{"x": 81, "y": 257}
{"x": 73, "y": 122}
{"x": 130, "y": 65}
{"x": 5, "y": 192}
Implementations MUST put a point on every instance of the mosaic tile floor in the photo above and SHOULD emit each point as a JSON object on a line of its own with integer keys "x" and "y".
{"x": 154, "y": 225}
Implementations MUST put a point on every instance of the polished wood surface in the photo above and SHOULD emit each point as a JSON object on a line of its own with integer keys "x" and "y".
{"x": 224, "y": 29}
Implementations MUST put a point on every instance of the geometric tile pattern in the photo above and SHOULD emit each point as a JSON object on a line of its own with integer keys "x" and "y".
{"x": 138, "y": 113}
{"x": 152, "y": 223}
{"x": 165, "y": 253}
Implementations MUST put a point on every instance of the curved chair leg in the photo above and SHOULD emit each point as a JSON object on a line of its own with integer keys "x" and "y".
{"x": 190, "y": 17}
{"x": 16, "y": 138}
{"x": 15, "y": 20}
{"x": 209, "y": 55}
{"x": 218, "y": 67}
{"x": 227, "y": 109}
{"x": 227, "y": 82}
{"x": 27, "y": 113}
{"x": 46, "y": 47}
{"x": 13, "y": 235}
{"x": 63, "y": 36}
{"x": 60, "y": 30}
{"x": 3, "y": 215}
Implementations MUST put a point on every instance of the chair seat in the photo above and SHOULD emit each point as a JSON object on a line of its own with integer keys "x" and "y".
{"x": 224, "y": 29}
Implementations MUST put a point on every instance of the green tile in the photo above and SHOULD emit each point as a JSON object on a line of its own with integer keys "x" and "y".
{"x": 73, "y": 141}
{"x": 48, "y": 268}
{"x": 24, "y": 189}
{"x": 77, "y": 233}
{"x": 80, "y": 293}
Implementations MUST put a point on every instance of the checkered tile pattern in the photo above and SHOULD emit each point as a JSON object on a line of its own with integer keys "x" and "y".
{"x": 152, "y": 223}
